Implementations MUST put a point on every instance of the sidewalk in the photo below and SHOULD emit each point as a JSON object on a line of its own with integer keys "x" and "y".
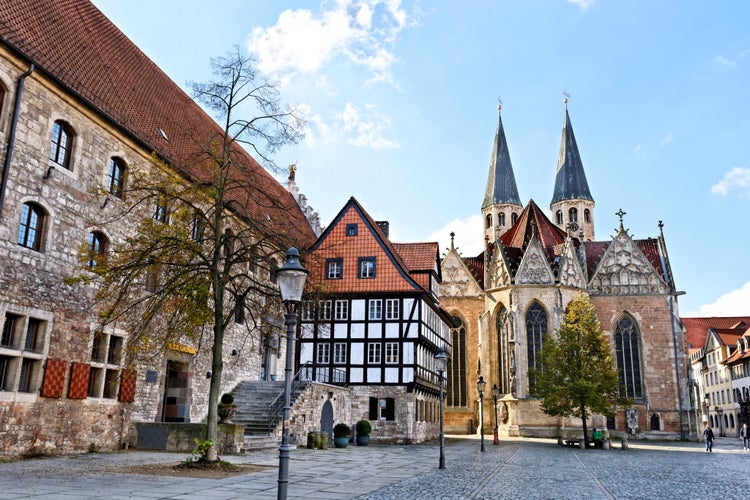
{"x": 521, "y": 468}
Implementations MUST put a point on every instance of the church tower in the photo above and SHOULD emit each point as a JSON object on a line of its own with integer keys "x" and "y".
{"x": 501, "y": 205}
{"x": 572, "y": 205}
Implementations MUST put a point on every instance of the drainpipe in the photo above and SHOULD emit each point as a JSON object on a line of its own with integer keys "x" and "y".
{"x": 12, "y": 134}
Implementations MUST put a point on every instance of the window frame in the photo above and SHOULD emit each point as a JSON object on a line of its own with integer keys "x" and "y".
{"x": 375, "y": 309}
{"x": 116, "y": 174}
{"x": 352, "y": 229}
{"x": 61, "y": 144}
{"x": 374, "y": 353}
{"x": 392, "y": 353}
{"x": 367, "y": 267}
{"x": 33, "y": 221}
{"x": 334, "y": 269}
{"x": 98, "y": 244}
{"x": 392, "y": 307}
{"x": 341, "y": 310}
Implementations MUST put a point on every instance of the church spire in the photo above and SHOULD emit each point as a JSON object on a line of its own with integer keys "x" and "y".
{"x": 501, "y": 182}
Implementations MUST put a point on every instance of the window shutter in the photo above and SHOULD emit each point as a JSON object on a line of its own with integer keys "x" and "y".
{"x": 127, "y": 386}
{"x": 79, "y": 381}
{"x": 54, "y": 378}
{"x": 373, "y": 409}
{"x": 390, "y": 409}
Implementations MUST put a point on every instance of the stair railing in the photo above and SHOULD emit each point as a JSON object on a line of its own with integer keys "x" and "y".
{"x": 277, "y": 405}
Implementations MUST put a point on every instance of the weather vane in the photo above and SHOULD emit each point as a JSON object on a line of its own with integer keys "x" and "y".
{"x": 499, "y": 103}
{"x": 566, "y": 94}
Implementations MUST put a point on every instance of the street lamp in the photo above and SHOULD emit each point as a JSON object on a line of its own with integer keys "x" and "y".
{"x": 480, "y": 389}
{"x": 441, "y": 360}
{"x": 291, "y": 278}
{"x": 495, "y": 394}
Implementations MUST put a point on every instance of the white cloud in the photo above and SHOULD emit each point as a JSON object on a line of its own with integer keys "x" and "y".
{"x": 468, "y": 240}
{"x": 723, "y": 62}
{"x": 583, "y": 4}
{"x": 734, "y": 303}
{"x": 365, "y": 129}
{"x": 736, "y": 179}
{"x": 363, "y": 31}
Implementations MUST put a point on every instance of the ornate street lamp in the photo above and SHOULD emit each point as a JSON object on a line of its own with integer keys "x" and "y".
{"x": 291, "y": 278}
{"x": 495, "y": 394}
{"x": 480, "y": 389}
{"x": 441, "y": 360}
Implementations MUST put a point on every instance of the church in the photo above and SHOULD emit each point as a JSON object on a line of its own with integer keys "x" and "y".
{"x": 506, "y": 299}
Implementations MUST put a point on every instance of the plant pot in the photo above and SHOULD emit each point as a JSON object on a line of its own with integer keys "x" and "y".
{"x": 363, "y": 440}
{"x": 226, "y": 413}
{"x": 341, "y": 442}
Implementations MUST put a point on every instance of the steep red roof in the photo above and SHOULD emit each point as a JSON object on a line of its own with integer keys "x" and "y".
{"x": 476, "y": 266}
{"x": 76, "y": 45}
{"x": 697, "y": 328}
{"x": 418, "y": 256}
{"x": 533, "y": 221}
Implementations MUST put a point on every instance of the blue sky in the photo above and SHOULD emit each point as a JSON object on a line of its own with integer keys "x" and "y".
{"x": 400, "y": 99}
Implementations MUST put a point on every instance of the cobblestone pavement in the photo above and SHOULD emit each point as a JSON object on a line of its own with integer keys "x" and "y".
{"x": 522, "y": 468}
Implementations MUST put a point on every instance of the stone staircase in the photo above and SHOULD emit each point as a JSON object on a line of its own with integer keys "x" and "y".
{"x": 253, "y": 399}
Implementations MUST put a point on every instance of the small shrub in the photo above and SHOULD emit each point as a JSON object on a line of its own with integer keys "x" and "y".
{"x": 93, "y": 448}
{"x": 341, "y": 430}
{"x": 200, "y": 452}
{"x": 363, "y": 428}
{"x": 227, "y": 398}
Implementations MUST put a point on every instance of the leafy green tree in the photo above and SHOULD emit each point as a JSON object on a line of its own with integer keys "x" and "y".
{"x": 578, "y": 375}
{"x": 198, "y": 237}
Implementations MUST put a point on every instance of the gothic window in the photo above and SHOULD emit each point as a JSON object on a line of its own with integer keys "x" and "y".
{"x": 456, "y": 389}
{"x": 488, "y": 221}
{"x": 32, "y": 225}
{"x": 536, "y": 328}
{"x": 573, "y": 215}
{"x": 501, "y": 219}
{"x": 627, "y": 352}
{"x": 513, "y": 218}
{"x": 587, "y": 216}
{"x": 506, "y": 370}
{"x": 116, "y": 176}
{"x": 62, "y": 142}
{"x": 559, "y": 217}
{"x": 97, "y": 248}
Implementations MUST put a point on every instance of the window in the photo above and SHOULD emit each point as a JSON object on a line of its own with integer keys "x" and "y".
{"x": 367, "y": 267}
{"x": 373, "y": 353}
{"x": 62, "y": 141}
{"x": 4, "y": 372}
{"x": 627, "y": 353}
{"x": 152, "y": 278}
{"x": 391, "y": 309}
{"x": 239, "y": 310}
{"x": 32, "y": 226}
{"x": 97, "y": 248}
{"x": 382, "y": 409}
{"x": 456, "y": 386}
{"x": 501, "y": 219}
{"x": 273, "y": 271}
{"x": 323, "y": 354}
{"x": 334, "y": 269}
{"x": 9, "y": 328}
{"x": 161, "y": 214}
{"x": 339, "y": 353}
{"x": 32, "y": 335}
{"x": 513, "y": 218}
{"x": 23, "y": 338}
{"x": 351, "y": 229}
{"x": 536, "y": 328}
{"x": 559, "y": 217}
{"x": 325, "y": 309}
{"x": 391, "y": 353}
{"x": 587, "y": 216}
{"x": 505, "y": 352}
{"x": 376, "y": 309}
{"x": 196, "y": 230}
{"x": 107, "y": 357}
{"x": 342, "y": 309}
{"x": 488, "y": 221}
{"x": 116, "y": 176}
{"x": 28, "y": 369}
{"x": 573, "y": 215}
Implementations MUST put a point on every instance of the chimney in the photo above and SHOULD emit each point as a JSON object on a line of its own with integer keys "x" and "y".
{"x": 384, "y": 226}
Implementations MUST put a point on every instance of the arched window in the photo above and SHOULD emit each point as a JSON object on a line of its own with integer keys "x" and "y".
{"x": 573, "y": 215}
{"x": 513, "y": 218}
{"x": 32, "y": 226}
{"x": 506, "y": 359}
{"x": 456, "y": 388}
{"x": 116, "y": 176}
{"x": 488, "y": 221}
{"x": 655, "y": 422}
{"x": 273, "y": 271}
{"x": 559, "y": 217}
{"x": 628, "y": 354}
{"x": 97, "y": 248}
{"x": 536, "y": 328}
{"x": 62, "y": 143}
{"x": 587, "y": 216}
{"x": 501, "y": 219}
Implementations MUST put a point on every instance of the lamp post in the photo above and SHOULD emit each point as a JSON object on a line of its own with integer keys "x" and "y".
{"x": 291, "y": 279}
{"x": 480, "y": 389}
{"x": 495, "y": 394}
{"x": 441, "y": 359}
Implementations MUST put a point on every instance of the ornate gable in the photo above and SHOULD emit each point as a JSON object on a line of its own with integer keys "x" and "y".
{"x": 457, "y": 278}
{"x": 571, "y": 272}
{"x": 534, "y": 268}
{"x": 624, "y": 270}
{"x": 498, "y": 274}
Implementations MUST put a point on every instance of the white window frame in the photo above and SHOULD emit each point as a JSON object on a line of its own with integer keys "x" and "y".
{"x": 326, "y": 307}
{"x": 391, "y": 353}
{"x": 391, "y": 309}
{"x": 374, "y": 351}
{"x": 375, "y": 309}
{"x": 341, "y": 309}
{"x": 323, "y": 353}
{"x": 339, "y": 353}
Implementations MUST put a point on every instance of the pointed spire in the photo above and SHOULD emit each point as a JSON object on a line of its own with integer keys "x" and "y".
{"x": 501, "y": 183}
{"x": 570, "y": 183}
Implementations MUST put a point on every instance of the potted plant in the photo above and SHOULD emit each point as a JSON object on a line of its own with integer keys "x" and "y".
{"x": 226, "y": 409}
{"x": 341, "y": 433}
{"x": 363, "y": 432}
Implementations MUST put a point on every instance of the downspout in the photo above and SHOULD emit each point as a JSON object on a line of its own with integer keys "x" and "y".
{"x": 12, "y": 134}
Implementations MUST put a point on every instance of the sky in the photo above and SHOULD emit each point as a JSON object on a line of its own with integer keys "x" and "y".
{"x": 400, "y": 98}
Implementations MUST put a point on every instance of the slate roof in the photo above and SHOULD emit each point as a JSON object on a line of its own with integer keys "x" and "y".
{"x": 73, "y": 43}
{"x": 570, "y": 182}
{"x": 501, "y": 182}
{"x": 697, "y": 328}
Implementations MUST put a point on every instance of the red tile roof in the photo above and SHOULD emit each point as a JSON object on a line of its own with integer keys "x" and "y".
{"x": 697, "y": 328}
{"x": 77, "y": 46}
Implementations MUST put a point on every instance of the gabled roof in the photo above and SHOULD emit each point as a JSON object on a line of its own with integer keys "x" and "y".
{"x": 697, "y": 328}
{"x": 73, "y": 43}
{"x": 533, "y": 221}
{"x": 501, "y": 182}
{"x": 570, "y": 183}
{"x": 476, "y": 266}
{"x": 595, "y": 250}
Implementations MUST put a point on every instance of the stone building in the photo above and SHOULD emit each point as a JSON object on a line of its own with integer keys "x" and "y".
{"x": 516, "y": 291}
{"x": 79, "y": 105}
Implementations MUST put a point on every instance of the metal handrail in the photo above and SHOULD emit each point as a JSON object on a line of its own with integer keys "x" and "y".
{"x": 277, "y": 405}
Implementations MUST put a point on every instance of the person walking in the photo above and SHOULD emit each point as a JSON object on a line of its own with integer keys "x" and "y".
{"x": 745, "y": 435}
{"x": 708, "y": 437}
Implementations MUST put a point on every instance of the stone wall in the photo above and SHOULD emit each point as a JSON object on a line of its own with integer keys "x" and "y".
{"x": 180, "y": 437}
{"x": 307, "y": 410}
